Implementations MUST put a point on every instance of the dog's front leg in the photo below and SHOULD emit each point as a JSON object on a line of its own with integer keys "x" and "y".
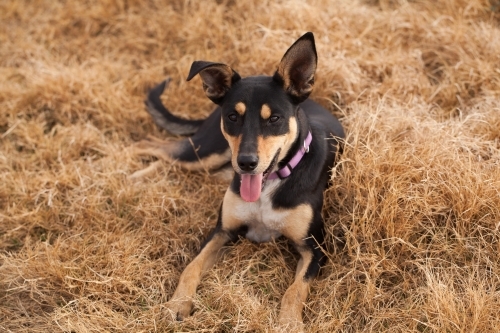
{"x": 181, "y": 302}
{"x": 295, "y": 296}
{"x": 229, "y": 228}
{"x": 304, "y": 227}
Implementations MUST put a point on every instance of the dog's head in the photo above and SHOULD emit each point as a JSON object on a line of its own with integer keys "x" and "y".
{"x": 259, "y": 113}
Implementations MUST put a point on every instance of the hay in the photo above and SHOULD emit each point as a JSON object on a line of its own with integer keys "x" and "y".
{"x": 412, "y": 218}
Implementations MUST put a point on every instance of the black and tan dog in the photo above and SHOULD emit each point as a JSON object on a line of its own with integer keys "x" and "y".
{"x": 281, "y": 146}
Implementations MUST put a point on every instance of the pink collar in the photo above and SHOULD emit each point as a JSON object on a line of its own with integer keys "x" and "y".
{"x": 287, "y": 169}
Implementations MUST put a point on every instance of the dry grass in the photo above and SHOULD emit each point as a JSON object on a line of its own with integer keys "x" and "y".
{"x": 413, "y": 217}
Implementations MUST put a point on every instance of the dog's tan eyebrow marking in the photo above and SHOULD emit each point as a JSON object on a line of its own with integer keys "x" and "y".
{"x": 240, "y": 107}
{"x": 265, "y": 111}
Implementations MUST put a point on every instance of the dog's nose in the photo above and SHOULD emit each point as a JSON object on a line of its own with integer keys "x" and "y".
{"x": 248, "y": 162}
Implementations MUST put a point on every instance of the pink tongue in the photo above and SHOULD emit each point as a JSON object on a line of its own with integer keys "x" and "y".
{"x": 250, "y": 187}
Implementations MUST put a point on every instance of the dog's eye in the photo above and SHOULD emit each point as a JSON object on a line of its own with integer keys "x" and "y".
{"x": 274, "y": 119}
{"x": 232, "y": 117}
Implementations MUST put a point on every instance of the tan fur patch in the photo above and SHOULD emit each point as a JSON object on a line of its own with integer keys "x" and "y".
{"x": 210, "y": 162}
{"x": 305, "y": 260}
{"x": 240, "y": 107}
{"x": 139, "y": 174}
{"x": 265, "y": 111}
{"x": 267, "y": 147}
{"x": 157, "y": 148}
{"x": 297, "y": 223}
{"x": 166, "y": 149}
{"x": 291, "y": 136}
{"x": 229, "y": 220}
{"x": 234, "y": 144}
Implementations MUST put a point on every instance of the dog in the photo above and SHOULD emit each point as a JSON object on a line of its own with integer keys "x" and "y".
{"x": 281, "y": 146}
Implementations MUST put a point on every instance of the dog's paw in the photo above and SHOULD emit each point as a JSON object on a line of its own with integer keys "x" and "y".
{"x": 289, "y": 327}
{"x": 290, "y": 322}
{"x": 179, "y": 309}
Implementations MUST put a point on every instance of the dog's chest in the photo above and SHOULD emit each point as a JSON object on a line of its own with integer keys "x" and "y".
{"x": 263, "y": 221}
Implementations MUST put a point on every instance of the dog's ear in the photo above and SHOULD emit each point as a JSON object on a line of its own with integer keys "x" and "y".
{"x": 297, "y": 67}
{"x": 217, "y": 78}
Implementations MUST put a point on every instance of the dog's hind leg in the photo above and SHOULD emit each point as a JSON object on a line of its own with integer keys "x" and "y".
{"x": 205, "y": 150}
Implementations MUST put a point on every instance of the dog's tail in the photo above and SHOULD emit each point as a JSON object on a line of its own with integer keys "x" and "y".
{"x": 164, "y": 118}
{"x": 205, "y": 149}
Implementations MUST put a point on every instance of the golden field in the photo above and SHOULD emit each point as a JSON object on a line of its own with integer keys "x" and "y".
{"x": 413, "y": 216}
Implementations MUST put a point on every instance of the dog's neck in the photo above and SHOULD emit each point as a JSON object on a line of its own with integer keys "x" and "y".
{"x": 303, "y": 131}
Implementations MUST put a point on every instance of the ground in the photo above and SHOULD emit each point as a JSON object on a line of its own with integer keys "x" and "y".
{"x": 413, "y": 214}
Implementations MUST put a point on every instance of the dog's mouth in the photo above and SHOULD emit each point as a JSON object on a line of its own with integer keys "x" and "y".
{"x": 252, "y": 185}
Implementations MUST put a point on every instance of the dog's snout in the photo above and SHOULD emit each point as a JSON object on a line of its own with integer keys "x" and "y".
{"x": 248, "y": 162}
